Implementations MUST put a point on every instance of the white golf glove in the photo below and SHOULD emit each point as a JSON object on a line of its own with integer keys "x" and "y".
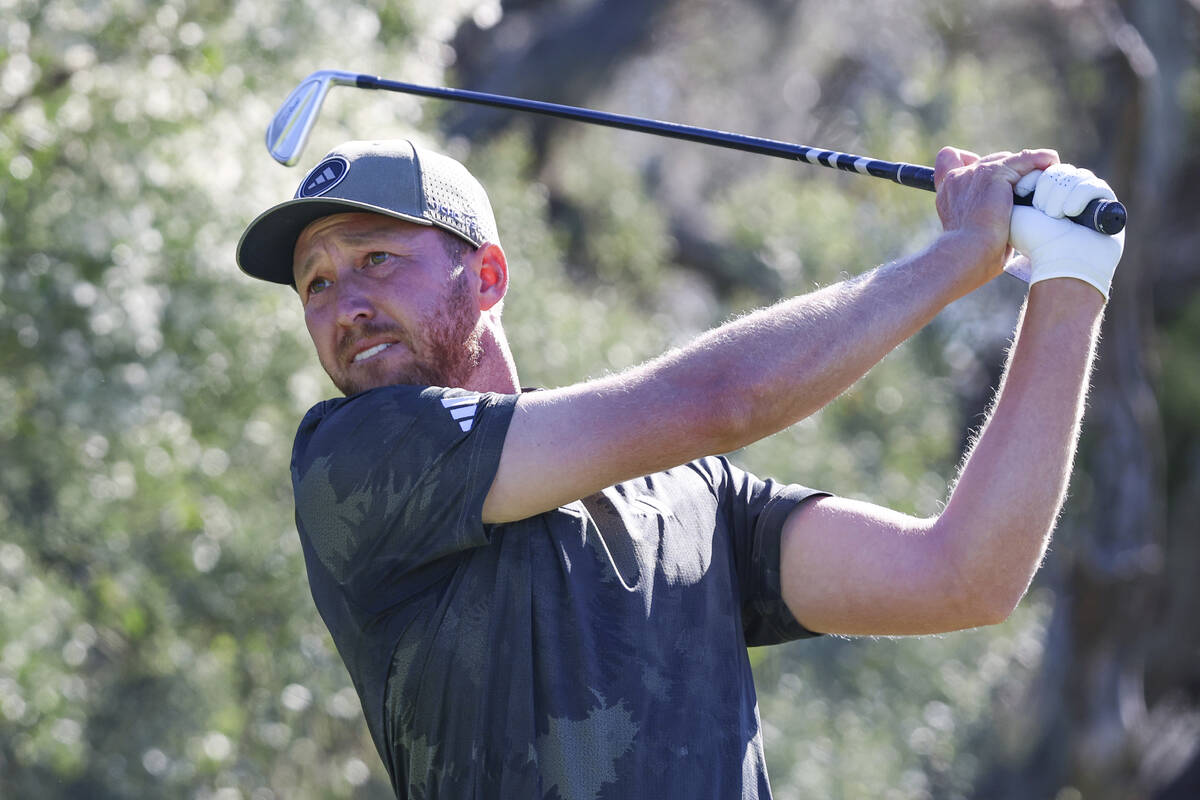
{"x": 1054, "y": 247}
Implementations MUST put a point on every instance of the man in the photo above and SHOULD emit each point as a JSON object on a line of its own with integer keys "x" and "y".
{"x": 550, "y": 593}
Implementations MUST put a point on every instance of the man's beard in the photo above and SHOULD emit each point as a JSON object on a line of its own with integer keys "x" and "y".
{"x": 446, "y": 349}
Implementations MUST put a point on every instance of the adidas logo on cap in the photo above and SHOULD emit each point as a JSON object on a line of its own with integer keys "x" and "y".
{"x": 323, "y": 177}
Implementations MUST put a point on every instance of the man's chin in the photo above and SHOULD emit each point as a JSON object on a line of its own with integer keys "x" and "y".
{"x": 375, "y": 378}
{"x": 349, "y": 388}
{"x": 356, "y": 378}
{"x": 360, "y": 383}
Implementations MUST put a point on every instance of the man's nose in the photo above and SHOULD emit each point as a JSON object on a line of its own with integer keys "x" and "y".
{"x": 353, "y": 304}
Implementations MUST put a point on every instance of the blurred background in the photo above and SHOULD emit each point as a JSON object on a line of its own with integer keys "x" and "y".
{"x": 157, "y": 637}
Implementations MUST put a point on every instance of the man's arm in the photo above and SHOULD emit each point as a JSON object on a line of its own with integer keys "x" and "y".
{"x": 855, "y": 568}
{"x": 734, "y": 385}
{"x": 758, "y": 374}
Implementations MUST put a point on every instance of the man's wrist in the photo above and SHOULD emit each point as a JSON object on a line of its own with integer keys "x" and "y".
{"x": 967, "y": 260}
{"x": 1066, "y": 296}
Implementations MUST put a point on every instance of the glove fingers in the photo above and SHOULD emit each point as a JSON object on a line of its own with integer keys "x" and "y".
{"x": 1027, "y": 183}
{"x": 1053, "y": 187}
{"x": 1087, "y": 190}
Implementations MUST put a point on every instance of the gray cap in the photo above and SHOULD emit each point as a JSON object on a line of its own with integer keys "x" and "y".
{"x": 395, "y": 178}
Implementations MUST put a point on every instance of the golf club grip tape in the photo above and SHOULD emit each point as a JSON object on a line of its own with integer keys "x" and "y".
{"x": 1103, "y": 216}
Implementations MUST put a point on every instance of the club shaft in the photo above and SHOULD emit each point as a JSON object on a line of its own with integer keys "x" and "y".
{"x": 906, "y": 174}
{"x": 1100, "y": 215}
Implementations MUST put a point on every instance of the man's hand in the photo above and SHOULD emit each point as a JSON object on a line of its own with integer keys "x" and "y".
{"x": 1056, "y": 247}
{"x": 974, "y": 199}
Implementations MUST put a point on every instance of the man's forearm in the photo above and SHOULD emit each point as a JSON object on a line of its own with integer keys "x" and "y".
{"x": 1002, "y": 510}
{"x": 776, "y": 366}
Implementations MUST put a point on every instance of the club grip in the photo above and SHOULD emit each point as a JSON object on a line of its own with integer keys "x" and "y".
{"x": 1102, "y": 216}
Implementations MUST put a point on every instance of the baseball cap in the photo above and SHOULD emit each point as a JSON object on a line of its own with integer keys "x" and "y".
{"x": 395, "y": 178}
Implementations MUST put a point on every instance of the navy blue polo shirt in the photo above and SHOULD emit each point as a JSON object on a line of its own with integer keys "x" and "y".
{"x": 595, "y": 651}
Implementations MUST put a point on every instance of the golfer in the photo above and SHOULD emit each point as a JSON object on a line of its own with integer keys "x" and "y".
{"x": 549, "y": 594}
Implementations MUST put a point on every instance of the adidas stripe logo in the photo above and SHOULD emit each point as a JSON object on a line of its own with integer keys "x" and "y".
{"x": 462, "y": 409}
{"x": 324, "y": 176}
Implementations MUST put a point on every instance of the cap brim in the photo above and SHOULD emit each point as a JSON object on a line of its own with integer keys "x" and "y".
{"x": 266, "y": 247}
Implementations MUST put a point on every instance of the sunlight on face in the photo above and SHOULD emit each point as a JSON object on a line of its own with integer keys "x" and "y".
{"x": 387, "y": 302}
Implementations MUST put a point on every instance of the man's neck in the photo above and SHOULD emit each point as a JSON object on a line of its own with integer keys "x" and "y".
{"x": 497, "y": 371}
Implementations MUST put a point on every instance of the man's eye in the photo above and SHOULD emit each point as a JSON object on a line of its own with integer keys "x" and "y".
{"x": 375, "y": 259}
{"x": 317, "y": 285}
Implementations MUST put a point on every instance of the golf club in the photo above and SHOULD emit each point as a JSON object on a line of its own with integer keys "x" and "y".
{"x": 289, "y": 130}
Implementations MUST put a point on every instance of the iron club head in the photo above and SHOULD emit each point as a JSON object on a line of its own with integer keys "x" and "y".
{"x": 288, "y": 132}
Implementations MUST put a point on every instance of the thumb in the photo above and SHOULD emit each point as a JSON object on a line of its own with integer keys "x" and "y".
{"x": 950, "y": 158}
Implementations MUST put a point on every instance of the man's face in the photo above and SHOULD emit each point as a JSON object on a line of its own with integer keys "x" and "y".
{"x": 385, "y": 303}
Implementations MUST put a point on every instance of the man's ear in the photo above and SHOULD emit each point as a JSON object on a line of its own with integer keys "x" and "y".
{"x": 491, "y": 267}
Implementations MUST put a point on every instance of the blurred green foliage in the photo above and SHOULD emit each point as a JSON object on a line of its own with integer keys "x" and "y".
{"x": 156, "y": 634}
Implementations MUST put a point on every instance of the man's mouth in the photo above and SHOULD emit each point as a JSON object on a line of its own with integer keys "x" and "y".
{"x": 372, "y": 351}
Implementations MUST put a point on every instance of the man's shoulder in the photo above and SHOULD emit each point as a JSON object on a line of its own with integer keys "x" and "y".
{"x": 403, "y": 427}
{"x": 393, "y": 405}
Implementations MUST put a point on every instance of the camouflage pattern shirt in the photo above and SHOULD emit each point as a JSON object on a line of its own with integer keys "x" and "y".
{"x": 595, "y": 651}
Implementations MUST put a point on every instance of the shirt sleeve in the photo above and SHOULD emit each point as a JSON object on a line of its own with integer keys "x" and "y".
{"x": 394, "y": 478}
{"x": 756, "y": 510}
